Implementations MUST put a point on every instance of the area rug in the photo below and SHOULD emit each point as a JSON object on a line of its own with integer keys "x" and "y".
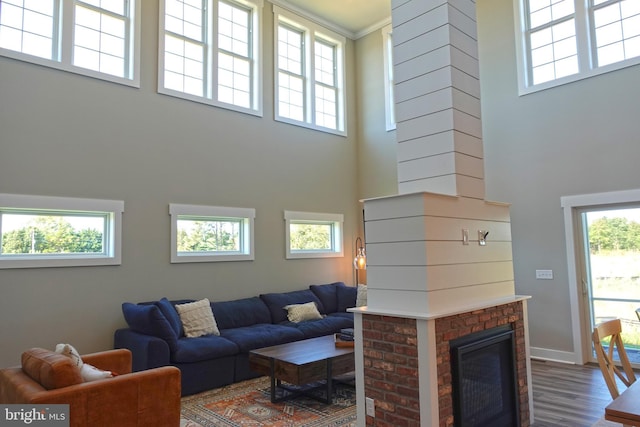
{"x": 249, "y": 404}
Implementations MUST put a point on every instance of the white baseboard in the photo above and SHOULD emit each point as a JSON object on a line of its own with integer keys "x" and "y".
{"x": 553, "y": 355}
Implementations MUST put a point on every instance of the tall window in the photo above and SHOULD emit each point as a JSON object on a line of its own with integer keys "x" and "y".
{"x": 99, "y": 38}
{"x": 38, "y": 231}
{"x": 390, "y": 106}
{"x": 211, "y": 233}
{"x": 309, "y": 74}
{"x": 313, "y": 235}
{"x": 567, "y": 40}
{"x": 209, "y": 52}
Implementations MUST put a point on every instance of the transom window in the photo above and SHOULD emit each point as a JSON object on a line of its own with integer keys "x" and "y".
{"x": 567, "y": 40}
{"x": 38, "y": 231}
{"x": 209, "y": 52}
{"x": 99, "y": 38}
{"x": 211, "y": 233}
{"x": 313, "y": 235}
{"x": 309, "y": 74}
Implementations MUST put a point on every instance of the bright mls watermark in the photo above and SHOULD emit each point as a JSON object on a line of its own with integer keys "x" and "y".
{"x": 37, "y": 415}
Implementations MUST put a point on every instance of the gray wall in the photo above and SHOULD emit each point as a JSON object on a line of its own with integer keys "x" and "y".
{"x": 66, "y": 135}
{"x": 574, "y": 139}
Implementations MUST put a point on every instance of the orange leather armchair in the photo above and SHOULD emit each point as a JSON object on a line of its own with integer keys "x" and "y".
{"x": 146, "y": 398}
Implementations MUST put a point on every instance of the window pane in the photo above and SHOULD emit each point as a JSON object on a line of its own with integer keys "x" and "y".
{"x": 233, "y": 29}
{"x": 28, "y": 27}
{"x": 325, "y": 63}
{"x": 290, "y": 50}
{"x": 195, "y": 235}
{"x": 99, "y": 41}
{"x": 326, "y": 106}
{"x": 290, "y": 96}
{"x": 615, "y": 27}
{"x": 52, "y": 233}
{"x": 310, "y": 237}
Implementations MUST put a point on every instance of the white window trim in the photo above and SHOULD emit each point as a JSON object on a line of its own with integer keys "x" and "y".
{"x": 586, "y": 63}
{"x": 257, "y": 84}
{"x": 247, "y": 215}
{"x": 389, "y": 102}
{"x": 66, "y": 44}
{"x": 310, "y": 29}
{"x": 113, "y": 240}
{"x": 338, "y": 225}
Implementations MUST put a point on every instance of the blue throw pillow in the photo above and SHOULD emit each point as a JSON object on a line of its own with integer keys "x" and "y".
{"x": 327, "y": 295}
{"x": 149, "y": 320}
{"x": 346, "y": 297}
{"x": 171, "y": 314}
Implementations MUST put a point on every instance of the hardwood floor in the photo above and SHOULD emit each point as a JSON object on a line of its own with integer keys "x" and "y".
{"x": 567, "y": 395}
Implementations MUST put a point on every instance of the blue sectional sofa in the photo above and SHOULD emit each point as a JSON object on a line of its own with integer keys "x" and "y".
{"x": 155, "y": 334}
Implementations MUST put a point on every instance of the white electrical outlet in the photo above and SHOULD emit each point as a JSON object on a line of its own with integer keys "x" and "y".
{"x": 370, "y": 406}
{"x": 544, "y": 274}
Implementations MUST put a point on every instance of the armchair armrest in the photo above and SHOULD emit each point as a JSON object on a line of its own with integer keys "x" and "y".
{"x": 118, "y": 361}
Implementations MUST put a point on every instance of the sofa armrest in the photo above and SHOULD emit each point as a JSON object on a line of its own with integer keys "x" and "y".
{"x": 118, "y": 361}
{"x": 147, "y": 351}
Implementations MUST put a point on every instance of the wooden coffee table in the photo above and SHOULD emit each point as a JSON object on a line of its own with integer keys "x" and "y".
{"x": 301, "y": 363}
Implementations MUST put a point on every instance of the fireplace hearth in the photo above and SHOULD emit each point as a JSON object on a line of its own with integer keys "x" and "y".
{"x": 484, "y": 379}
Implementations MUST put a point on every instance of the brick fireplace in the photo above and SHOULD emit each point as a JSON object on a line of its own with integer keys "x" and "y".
{"x": 439, "y": 256}
{"x": 391, "y": 376}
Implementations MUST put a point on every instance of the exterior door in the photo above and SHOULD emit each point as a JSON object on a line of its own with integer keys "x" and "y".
{"x": 611, "y": 270}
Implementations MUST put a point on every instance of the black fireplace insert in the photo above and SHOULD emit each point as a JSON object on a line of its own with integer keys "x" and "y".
{"x": 484, "y": 379}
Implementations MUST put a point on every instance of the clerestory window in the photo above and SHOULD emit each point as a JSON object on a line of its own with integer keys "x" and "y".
{"x": 561, "y": 41}
{"x": 309, "y": 74}
{"x": 210, "y": 52}
{"x": 97, "y": 38}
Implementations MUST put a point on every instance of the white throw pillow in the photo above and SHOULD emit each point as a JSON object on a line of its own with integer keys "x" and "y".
{"x": 91, "y": 373}
{"x": 71, "y": 352}
{"x": 197, "y": 318}
{"x": 361, "y": 297}
{"x": 301, "y": 312}
{"x": 88, "y": 372}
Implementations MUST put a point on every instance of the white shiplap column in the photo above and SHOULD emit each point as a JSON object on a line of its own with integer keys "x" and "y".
{"x": 437, "y": 91}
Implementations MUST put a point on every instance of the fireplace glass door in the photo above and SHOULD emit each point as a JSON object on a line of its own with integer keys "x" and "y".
{"x": 484, "y": 379}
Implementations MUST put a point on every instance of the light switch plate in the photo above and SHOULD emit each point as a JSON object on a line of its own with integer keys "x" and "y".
{"x": 544, "y": 274}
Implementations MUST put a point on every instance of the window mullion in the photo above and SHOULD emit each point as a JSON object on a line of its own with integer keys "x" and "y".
{"x": 210, "y": 36}
{"x": 67, "y": 23}
{"x": 584, "y": 36}
{"x": 309, "y": 76}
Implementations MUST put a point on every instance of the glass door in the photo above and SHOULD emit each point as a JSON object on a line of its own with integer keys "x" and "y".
{"x": 611, "y": 270}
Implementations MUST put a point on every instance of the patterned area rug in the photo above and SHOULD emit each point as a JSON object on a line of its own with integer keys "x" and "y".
{"x": 249, "y": 404}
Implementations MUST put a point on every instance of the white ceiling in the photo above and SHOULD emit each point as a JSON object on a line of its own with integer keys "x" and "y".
{"x": 357, "y": 17}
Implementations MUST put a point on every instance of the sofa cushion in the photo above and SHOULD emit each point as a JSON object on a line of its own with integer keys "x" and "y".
{"x": 50, "y": 369}
{"x": 327, "y": 294}
{"x": 277, "y": 301}
{"x": 346, "y": 297}
{"x": 203, "y": 348}
{"x": 241, "y": 312}
{"x": 327, "y": 326}
{"x": 197, "y": 318}
{"x": 149, "y": 320}
{"x": 171, "y": 314}
{"x": 261, "y": 335}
